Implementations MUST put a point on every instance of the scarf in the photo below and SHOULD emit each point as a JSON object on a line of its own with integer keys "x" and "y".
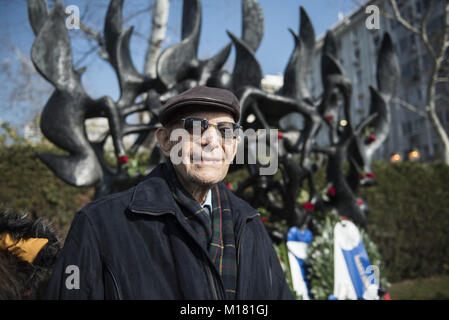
{"x": 214, "y": 230}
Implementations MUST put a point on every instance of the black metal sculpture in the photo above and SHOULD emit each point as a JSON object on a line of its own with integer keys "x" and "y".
{"x": 179, "y": 68}
{"x": 346, "y": 142}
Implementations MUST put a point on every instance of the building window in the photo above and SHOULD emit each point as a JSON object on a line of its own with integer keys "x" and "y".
{"x": 436, "y": 147}
{"x": 418, "y": 7}
{"x": 407, "y": 127}
{"x": 412, "y": 43}
{"x": 395, "y": 24}
{"x": 376, "y": 40}
{"x": 359, "y": 76}
{"x": 421, "y": 6}
{"x": 425, "y": 61}
{"x": 357, "y": 53}
{"x": 419, "y": 95}
{"x": 403, "y": 43}
{"x": 425, "y": 151}
{"x": 414, "y": 141}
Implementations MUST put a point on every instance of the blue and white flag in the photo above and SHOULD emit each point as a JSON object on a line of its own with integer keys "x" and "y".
{"x": 297, "y": 243}
{"x": 354, "y": 276}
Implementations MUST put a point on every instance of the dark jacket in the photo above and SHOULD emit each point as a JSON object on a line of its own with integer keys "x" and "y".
{"x": 137, "y": 245}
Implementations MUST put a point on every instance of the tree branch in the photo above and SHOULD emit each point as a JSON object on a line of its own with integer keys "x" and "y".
{"x": 398, "y": 17}
{"x": 423, "y": 35}
{"x": 409, "y": 107}
{"x": 441, "y": 79}
{"x": 157, "y": 36}
{"x": 93, "y": 35}
{"x": 445, "y": 40}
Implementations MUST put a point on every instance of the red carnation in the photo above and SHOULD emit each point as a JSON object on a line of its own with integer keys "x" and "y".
{"x": 332, "y": 191}
{"x": 228, "y": 185}
{"x": 264, "y": 220}
{"x": 308, "y": 206}
{"x": 359, "y": 201}
{"x": 329, "y": 117}
{"x": 372, "y": 138}
{"x": 280, "y": 135}
{"x": 370, "y": 175}
{"x": 344, "y": 218}
{"x": 123, "y": 159}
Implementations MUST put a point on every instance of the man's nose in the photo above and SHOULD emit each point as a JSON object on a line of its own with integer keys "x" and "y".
{"x": 211, "y": 137}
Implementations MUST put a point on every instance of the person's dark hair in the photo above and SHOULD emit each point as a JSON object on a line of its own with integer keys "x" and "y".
{"x": 20, "y": 279}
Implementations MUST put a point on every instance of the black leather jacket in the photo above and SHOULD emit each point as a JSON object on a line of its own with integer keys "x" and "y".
{"x": 136, "y": 245}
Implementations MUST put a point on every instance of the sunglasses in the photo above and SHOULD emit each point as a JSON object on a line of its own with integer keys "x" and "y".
{"x": 226, "y": 129}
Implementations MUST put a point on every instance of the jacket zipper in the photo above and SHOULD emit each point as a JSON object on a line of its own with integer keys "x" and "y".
{"x": 207, "y": 262}
{"x": 241, "y": 236}
{"x": 240, "y": 243}
{"x": 117, "y": 290}
{"x": 212, "y": 281}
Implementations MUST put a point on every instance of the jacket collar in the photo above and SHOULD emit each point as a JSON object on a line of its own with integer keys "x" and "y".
{"x": 154, "y": 197}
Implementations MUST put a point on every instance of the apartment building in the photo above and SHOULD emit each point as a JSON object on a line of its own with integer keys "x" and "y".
{"x": 358, "y": 47}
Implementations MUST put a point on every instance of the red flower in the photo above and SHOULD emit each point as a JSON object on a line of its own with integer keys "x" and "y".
{"x": 372, "y": 137}
{"x": 344, "y": 218}
{"x": 280, "y": 135}
{"x": 370, "y": 175}
{"x": 387, "y": 296}
{"x": 264, "y": 220}
{"x": 329, "y": 117}
{"x": 332, "y": 191}
{"x": 123, "y": 159}
{"x": 359, "y": 201}
{"x": 308, "y": 206}
{"x": 228, "y": 185}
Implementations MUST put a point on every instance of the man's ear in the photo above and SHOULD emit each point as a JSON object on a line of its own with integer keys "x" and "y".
{"x": 163, "y": 138}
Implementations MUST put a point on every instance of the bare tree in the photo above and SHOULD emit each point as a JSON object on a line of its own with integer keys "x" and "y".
{"x": 436, "y": 48}
{"x": 91, "y": 26}
{"x": 27, "y": 91}
{"x": 158, "y": 28}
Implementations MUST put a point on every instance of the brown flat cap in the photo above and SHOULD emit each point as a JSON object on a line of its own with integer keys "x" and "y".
{"x": 201, "y": 96}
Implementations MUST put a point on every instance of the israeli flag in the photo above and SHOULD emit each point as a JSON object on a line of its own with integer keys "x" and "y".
{"x": 354, "y": 276}
{"x": 297, "y": 243}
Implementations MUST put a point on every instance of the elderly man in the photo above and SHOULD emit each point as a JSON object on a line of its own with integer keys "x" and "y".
{"x": 181, "y": 233}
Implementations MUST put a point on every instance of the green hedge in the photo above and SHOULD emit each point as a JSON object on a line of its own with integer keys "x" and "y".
{"x": 409, "y": 207}
{"x": 28, "y": 185}
{"x": 409, "y": 218}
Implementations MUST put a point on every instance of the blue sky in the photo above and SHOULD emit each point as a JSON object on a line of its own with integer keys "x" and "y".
{"x": 218, "y": 16}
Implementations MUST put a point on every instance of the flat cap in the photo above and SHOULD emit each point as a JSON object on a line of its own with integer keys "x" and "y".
{"x": 201, "y": 96}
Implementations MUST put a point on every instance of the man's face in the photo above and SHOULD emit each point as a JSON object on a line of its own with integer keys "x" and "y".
{"x": 201, "y": 159}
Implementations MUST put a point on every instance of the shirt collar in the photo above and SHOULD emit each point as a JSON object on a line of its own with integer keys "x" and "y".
{"x": 208, "y": 201}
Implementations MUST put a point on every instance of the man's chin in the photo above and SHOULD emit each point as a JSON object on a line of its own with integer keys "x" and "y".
{"x": 209, "y": 174}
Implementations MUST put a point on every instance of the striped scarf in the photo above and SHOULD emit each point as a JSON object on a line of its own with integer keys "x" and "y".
{"x": 215, "y": 231}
